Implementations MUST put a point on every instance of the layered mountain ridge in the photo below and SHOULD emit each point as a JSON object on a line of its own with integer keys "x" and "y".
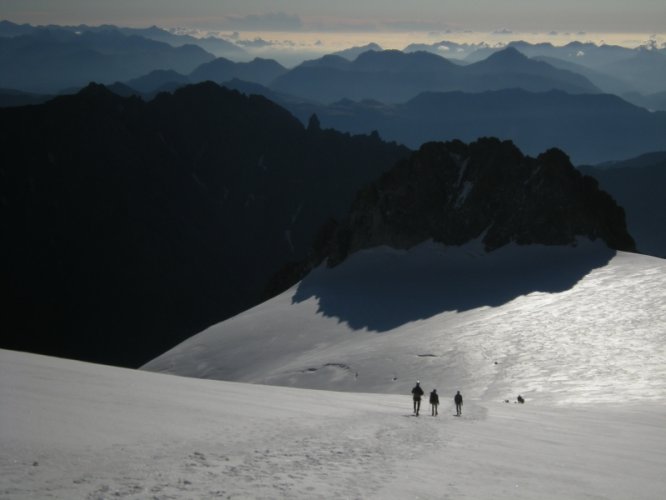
{"x": 395, "y": 76}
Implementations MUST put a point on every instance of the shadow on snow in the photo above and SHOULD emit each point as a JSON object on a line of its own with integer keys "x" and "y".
{"x": 382, "y": 288}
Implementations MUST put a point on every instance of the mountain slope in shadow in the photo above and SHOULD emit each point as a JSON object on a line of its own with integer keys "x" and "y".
{"x": 129, "y": 225}
{"x": 400, "y": 287}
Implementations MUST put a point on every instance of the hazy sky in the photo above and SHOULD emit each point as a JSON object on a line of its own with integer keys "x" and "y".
{"x": 637, "y": 16}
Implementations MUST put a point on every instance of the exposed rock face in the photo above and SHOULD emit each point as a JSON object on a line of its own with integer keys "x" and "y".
{"x": 453, "y": 193}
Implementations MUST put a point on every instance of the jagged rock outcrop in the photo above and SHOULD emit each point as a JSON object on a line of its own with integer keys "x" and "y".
{"x": 454, "y": 193}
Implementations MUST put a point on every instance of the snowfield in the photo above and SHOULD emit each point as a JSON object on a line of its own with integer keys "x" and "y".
{"x": 578, "y": 331}
{"x": 75, "y": 430}
{"x": 559, "y": 325}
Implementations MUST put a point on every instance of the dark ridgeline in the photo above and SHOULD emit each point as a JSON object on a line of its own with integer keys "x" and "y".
{"x": 128, "y": 226}
{"x": 454, "y": 193}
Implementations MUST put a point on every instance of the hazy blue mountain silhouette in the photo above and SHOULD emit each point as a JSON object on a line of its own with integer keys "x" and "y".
{"x": 586, "y": 53}
{"x": 653, "y": 102}
{"x": 353, "y": 52}
{"x": 12, "y": 98}
{"x": 156, "y": 80}
{"x": 445, "y": 48}
{"x": 395, "y": 76}
{"x": 262, "y": 71}
{"x": 641, "y": 68}
{"x": 605, "y": 82}
{"x": 10, "y": 29}
{"x": 329, "y": 61}
{"x": 217, "y": 46}
{"x": 49, "y": 60}
{"x": 502, "y": 67}
{"x": 591, "y": 127}
{"x": 645, "y": 71}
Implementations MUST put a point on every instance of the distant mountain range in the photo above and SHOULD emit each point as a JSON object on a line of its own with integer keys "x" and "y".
{"x": 622, "y": 69}
{"x": 591, "y": 128}
{"x": 636, "y": 74}
{"x": 388, "y": 76}
{"x": 394, "y": 76}
{"x": 261, "y": 71}
{"x": 129, "y": 225}
{"x": 51, "y": 60}
{"x": 216, "y": 46}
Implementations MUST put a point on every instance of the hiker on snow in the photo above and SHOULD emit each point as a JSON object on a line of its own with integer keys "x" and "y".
{"x": 434, "y": 401}
{"x": 417, "y": 392}
{"x": 459, "y": 402}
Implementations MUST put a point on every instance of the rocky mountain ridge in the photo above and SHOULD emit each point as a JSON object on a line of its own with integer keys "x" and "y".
{"x": 454, "y": 193}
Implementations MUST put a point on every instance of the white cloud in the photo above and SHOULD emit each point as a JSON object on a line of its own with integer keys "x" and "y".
{"x": 257, "y": 43}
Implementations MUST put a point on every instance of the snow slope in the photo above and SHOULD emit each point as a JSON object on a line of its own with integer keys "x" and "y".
{"x": 76, "y": 430}
{"x": 579, "y": 331}
{"x": 559, "y": 325}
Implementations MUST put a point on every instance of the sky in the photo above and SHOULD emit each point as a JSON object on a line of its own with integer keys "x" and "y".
{"x": 610, "y": 16}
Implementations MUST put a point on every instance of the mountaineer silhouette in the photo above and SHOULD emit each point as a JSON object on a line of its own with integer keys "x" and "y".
{"x": 417, "y": 392}
{"x": 458, "y": 399}
{"x": 434, "y": 402}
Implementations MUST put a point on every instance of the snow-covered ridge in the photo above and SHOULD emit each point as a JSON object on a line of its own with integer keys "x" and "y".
{"x": 578, "y": 324}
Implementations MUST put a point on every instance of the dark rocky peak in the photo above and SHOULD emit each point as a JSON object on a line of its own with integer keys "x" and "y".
{"x": 454, "y": 193}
